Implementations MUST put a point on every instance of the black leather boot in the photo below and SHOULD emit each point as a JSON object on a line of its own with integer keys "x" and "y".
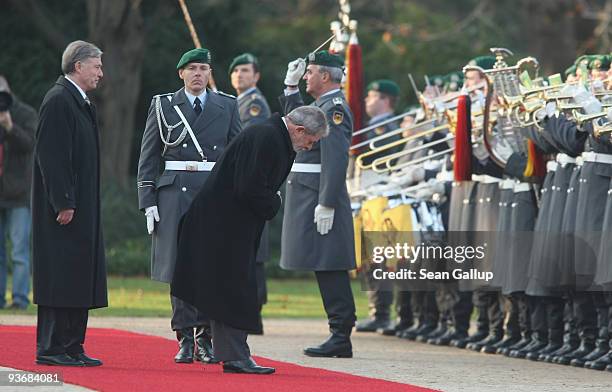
{"x": 412, "y": 332}
{"x": 537, "y": 344}
{"x": 394, "y": 328}
{"x": 337, "y": 345}
{"x": 449, "y": 336}
{"x": 461, "y": 343}
{"x": 523, "y": 342}
{"x": 372, "y": 324}
{"x": 186, "y": 346}
{"x": 548, "y": 349}
{"x": 601, "y": 363}
{"x": 495, "y": 347}
{"x": 568, "y": 347}
{"x": 601, "y": 349}
{"x": 204, "y": 349}
{"x": 489, "y": 340}
{"x": 586, "y": 346}
{"x": 436, "y": 333}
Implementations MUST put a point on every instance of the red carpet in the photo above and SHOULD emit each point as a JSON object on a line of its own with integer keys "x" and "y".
{"x": 136, "y": 362}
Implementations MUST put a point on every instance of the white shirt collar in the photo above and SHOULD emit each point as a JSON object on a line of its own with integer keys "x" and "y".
{"x": 247, "y": 92}
{"x": 192, "y": 98}
{"x": 78, "y": 88}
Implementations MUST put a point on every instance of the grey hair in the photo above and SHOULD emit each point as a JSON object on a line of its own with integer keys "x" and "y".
{"x": 311, "y": 118}
{"x": 78, "y": 51}
{"x": 335, "y": 74}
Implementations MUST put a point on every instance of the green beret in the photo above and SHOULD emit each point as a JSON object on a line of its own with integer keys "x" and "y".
{"x": 385, "y": 86}
{"x": 326, "y": 59}
{"x": 199, "y": 55}
{"x": 484, "y": 62}
{"x": 245, "y": 58}
{"x": 600, "y": 62}
{"x": 453, "y": 81}
{"x": 585, "y": 59}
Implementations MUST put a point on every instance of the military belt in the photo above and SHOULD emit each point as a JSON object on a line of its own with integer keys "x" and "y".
{"x": 522, "y": 187}
{"x": 189, "y": 165}
{"x": 564, "y": 159}
{"x": 597, "y": 157}
{"x": 306, "y": 168}
{"x": 485, "y": 179}
{"x": 507, "y": 184}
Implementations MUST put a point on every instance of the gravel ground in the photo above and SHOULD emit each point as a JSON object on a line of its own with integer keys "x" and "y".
{"x": 389, "y": 358}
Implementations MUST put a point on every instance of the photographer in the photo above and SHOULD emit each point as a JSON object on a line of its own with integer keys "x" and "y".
{"x": 18, "y": 123}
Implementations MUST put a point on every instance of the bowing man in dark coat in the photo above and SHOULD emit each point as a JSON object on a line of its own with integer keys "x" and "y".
{"x": 226, "y": 219}
{"x": 68, "y": 250}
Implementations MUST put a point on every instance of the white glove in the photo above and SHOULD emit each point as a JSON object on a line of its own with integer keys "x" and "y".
{"x": 609, "y": 115}
{"x": 324, "y": 218}
{"x": 409, "y": 176}
{"x": 295, "y": 71}
{"x": 592, "y": 106}
{"x": 433, "y": 187}
{"x": 551, "y": 109}
{"x": 152, "y": 216}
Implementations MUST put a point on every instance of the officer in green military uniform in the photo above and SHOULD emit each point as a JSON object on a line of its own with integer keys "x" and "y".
{"x": 253, "y": 109}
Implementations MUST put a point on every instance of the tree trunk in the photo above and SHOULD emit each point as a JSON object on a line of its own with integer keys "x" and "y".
{"x": 117, "y": 28}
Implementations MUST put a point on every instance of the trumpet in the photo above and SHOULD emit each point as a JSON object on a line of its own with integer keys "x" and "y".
{"x": 582, "y": 118}
{"x": 599, "y": 128}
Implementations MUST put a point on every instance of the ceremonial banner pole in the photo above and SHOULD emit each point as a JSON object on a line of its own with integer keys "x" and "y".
{"x": 194, "y": 37}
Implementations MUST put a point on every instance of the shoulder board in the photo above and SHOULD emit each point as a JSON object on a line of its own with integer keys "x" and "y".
{"x": 225, "y": 94}
{"x": 337, "y": 101}
{"x": 163, "y": 95}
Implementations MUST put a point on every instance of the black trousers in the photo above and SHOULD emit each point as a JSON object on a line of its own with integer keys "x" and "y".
{"x": 229, "y": 343}
{"x": 60, "y": 330}
{"x": 338, "y": 301}
{"x": 185, "y": 315}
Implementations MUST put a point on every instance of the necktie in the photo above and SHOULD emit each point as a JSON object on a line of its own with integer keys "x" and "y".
{"x": 197, "y": 107}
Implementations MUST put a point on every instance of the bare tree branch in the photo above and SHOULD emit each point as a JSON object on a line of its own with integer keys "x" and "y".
{"x": 40, "y": 18}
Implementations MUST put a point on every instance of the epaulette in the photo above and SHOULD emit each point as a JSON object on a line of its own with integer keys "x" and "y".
{"x": 163, "y": 95}
{"x": 226, "y": 94}
{"x": 337, "y": 101}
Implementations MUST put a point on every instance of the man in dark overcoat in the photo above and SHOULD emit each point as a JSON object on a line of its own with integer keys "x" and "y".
{"x": 253, "y": 109}
{"x": 185, "y": 133}
{"x": 226, "y": 219}
{"x": 318, "y": 223}
{"x": 68, "y": 249}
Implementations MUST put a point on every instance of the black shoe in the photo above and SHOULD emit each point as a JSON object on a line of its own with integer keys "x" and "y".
{"x": 586, "y": 346}
{"x": 490, "y": 340}
{"x": 337, "y": 345}
{"x": 600, "y": 364}
{"x": 462, "y": 343}
{"x": 186, "y": 346}
{"x": 372, "y": 324}
{"x": 204, "y": 349}
{"x": 414, "y": 331}
{"x": 601, "y": 349}
{"x": 551, "y": 347}
{"x": 436, "y": 333}
{"x": 567, "y": 348}
{"x": 525, "y": 340}
{"x": 88, "y": 361}
{"x": 393, "y": 329}
{"x": 494, "y": 348}
{"x": 534, "y": 346}
{"x": 246, "y": 366}
{"x": 445, "y": 339}
{"x": 58, "y": 360}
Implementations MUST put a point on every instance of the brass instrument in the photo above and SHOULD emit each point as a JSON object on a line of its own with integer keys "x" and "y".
{"x": 387, "y": 161}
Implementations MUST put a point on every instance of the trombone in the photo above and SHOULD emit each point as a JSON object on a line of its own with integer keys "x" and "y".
{"x": 388, "y": 146}
{"x": 388, "y": 160}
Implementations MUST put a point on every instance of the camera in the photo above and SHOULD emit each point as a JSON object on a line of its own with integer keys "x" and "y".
{"x": 6, "y": 101}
